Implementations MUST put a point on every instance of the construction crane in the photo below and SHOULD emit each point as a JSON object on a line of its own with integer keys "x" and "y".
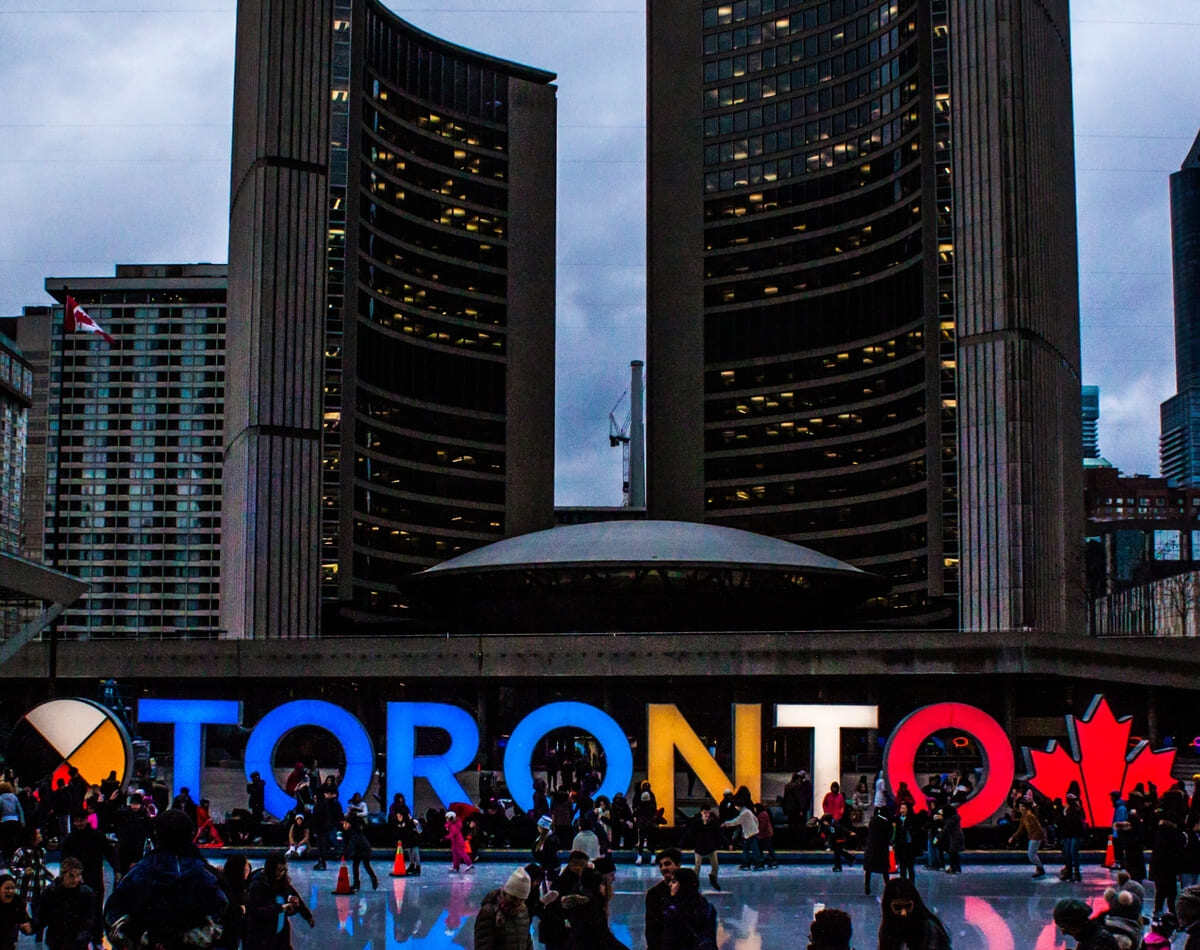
{"x": 629, "y": 434}
{"x": 619, "y": 435}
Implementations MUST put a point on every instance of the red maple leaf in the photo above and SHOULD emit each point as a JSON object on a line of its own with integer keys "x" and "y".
{"x": 1097, "y": 762}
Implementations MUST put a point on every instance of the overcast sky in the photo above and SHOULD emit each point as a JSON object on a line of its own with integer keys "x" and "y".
{"x": 117, "y": 124}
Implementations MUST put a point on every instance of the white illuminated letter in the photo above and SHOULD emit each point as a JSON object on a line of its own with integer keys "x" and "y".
{"x": 827, "y": 723}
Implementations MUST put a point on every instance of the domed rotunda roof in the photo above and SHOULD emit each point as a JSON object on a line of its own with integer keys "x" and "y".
{"x": 643, "y": 575}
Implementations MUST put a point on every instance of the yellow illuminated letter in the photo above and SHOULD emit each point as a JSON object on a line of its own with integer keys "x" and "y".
{"x": 667, "y": 732}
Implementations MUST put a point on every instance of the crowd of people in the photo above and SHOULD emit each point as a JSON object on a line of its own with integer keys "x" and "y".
{"x": 165, "y": 892}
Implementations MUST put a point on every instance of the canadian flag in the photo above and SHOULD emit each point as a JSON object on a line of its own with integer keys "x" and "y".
{"x": 76, "y": 318}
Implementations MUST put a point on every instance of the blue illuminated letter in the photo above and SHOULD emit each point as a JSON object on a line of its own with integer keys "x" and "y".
{"x": 403, "y": 763}
{"x": 531, "y": 729}
{"x": 356, "y": 745}
{"x": 189, "y": 716}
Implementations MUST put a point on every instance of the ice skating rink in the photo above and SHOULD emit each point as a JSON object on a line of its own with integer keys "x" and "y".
{"x": 997, "y": 907}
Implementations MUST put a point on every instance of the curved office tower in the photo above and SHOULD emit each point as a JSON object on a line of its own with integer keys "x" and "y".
{"x": 447, "y": 418}
{"x": 816, "y": 170}
{"x": 428, "y": 324}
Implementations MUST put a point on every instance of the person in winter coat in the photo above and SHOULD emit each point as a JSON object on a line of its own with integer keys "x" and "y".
{"x": 954, "y": 842}
{"x": 458, "y": 844}
{"x": 326, "y": 819}
{"x": 271, "y": 903}
{"x": 876, "y": 859}
{"x": 91, "y": 847}
{"x": 834, "y": 802}
{"x": 13, "y": 915}
{"x": 134, "y": 831}
{"x": 12, "y": 820}
{"x": 747, "y": 823}
{"x": 689, "y": 921}
{"x": 907, "y": 924}
{"x": 1187, "y": 906}
{"x": 1034, "y": 834}
{"x": 622, "y": 821}
{"x": 170, "y": 891}
{"x": 503, "y": 919}
{"x": 863, "y": 797}
{"x": 357, "y": 849}
{"x": 29, "y": 865}
{"x": 906, "y": 841}
{"x": 545, "y": 848}
{"x": 830, "y": 930}
{"x": 837, "y": 836}
{"x": 645, "y": 816}
{"x": 703, "y": 835}
{"x": 1189, "y": 873}
{"x": 233, "y": 881}
{"x": 766, "y": 835}
{"x": 298, "y": 836}
{"x": 797, "y": 805}
{"x": 1166, "y": 861}
{"x": 659, "y": 896}
{"x": 68, "y": 910}
{"x": 1074, "y": 918}
{"x": 575, "y": 912}
{"x": 1071, "y": 829}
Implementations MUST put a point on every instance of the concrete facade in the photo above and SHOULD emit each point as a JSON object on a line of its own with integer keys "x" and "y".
{"x": 862, "y": 323}
{"x": 277, "y": 229}
{"x": 1017, "y": 309}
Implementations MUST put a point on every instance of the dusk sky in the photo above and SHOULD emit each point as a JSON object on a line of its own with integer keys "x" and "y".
{"x": 118, "y": 123}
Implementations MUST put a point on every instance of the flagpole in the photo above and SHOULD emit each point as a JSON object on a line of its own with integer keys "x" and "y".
{"x": 59, "y": 534}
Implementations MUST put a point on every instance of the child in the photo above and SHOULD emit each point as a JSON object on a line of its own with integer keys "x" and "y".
{"x": 458, "y": 844}
{"x": 13, "y": 916}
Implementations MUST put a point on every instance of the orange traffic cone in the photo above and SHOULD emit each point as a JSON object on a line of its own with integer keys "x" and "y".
{"x": 1110, "y": 854}
{"x": 343, "y": 880}
{"x": 891, "y": 860}
{"x": 398, "y": 868}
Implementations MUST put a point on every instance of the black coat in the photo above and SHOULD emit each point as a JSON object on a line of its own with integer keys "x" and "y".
{"x": 267, "y": 927}
{"x": 657, "y": 900}
{"x": 689, "y": 924}
{"x": 134, "y": 829}
{"x": 68, "y": 914}
{"x": 879, "y": 839}
{"x": 908, "y": 838}
{"x": 11, "y": 917}
{"x": 91, "y": 848}
{"x": 930, "y": 935}
{"x": 703, "y": 837}
{"x": 1167, "y": 856}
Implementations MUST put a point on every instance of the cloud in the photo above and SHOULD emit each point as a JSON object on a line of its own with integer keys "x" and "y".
{"x": 117, "y": 128}
{"x": 1124, "y": 409}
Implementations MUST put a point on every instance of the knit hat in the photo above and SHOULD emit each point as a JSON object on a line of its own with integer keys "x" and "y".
{"x": 450, "y": 816}
{"x": 518, "y": 884}
{"x": 1071, "y": 910}
{"x": 1126, "y": 883}
{"x": 1187, "y": 906}
{"x": 545, "y": 822}
{"x": 1125, "y": 903}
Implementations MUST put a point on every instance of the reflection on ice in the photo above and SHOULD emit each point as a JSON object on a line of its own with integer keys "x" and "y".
{"x": 996, "y": 908}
